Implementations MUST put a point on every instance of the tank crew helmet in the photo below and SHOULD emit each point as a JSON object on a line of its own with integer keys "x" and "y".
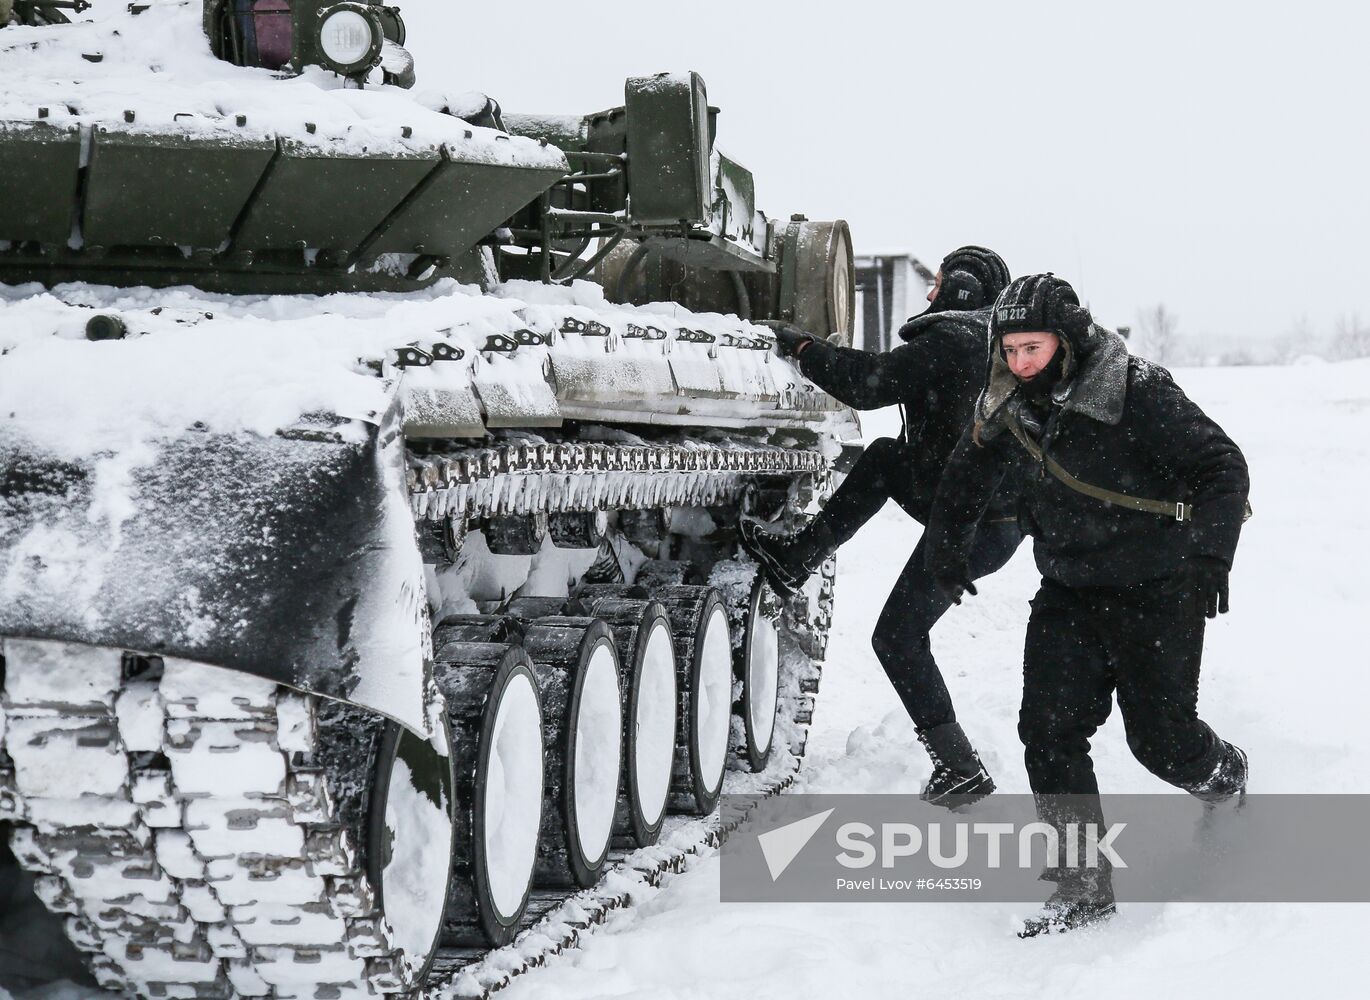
{"x": 1043, "y": 302}
{"x": 972, "y": 277}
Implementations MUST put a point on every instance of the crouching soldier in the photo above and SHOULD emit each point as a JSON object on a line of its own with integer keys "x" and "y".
{"x": 1135, "y": 500}
{"x": 935, "y": 377}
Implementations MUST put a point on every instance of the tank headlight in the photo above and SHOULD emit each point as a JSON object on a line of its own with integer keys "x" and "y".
{"x": 349, "y": 38}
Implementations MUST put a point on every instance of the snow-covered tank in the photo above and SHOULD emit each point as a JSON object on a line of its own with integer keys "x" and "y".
{"x": 370, "y": 461}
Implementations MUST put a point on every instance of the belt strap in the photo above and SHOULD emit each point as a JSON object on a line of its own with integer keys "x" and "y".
{"x": 1177, "y": 509}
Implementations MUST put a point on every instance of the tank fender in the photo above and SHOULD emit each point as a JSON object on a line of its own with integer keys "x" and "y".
{"x": 290, "y": 557}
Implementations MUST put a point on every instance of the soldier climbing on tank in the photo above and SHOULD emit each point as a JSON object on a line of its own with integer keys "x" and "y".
{"x": 934, "y": 376}
{"x": 1135, "y": 500}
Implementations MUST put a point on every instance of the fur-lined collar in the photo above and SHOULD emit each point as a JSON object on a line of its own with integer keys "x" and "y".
{"x": 975, "y": 319}
{"x": 1098, "y": 391}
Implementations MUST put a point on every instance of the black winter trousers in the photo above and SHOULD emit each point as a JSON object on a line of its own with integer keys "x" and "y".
{"x": 1085, "y": 643}
{"x": 884, "y": 472}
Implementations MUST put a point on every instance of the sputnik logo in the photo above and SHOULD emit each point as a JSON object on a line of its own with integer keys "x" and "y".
{"x": 782, "y": 845}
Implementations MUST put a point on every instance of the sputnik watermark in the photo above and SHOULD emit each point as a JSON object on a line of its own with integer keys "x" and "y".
{"x": 782, "y": 845}
{"x": 1084, "y": 845}
{"x": 1164, "y": 847}
{"x": 861, "y": 845}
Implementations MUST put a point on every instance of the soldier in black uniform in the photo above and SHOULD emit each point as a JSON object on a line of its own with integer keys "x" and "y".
{"x": 1135, "y": 500}
{"x": 935, "y": 377}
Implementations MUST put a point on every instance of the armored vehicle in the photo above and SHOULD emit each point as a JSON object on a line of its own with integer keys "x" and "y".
{"x": 371, "y": 458}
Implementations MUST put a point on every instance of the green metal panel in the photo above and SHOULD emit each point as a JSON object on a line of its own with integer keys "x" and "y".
{"x": 462, "y": 204}
{"x": 712, "y": 253}
{"x": 323, "y": 200}
{"x": 442, "y": 412}
{"x": 668, "y": 149}
{"x": 789, "y": 268}
{"x": 735, "y": 201}
{"x": 38, "y": 170}
{"x": 169, "y": 189}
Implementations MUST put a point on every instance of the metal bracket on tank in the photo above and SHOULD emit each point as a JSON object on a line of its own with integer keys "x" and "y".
{"x": 412, "y": 357}
{"x": 507, "y": 343}
{"x": 744, "y": 343}
{"x": 446, "y": 352}
{"x": 586, "y": 329}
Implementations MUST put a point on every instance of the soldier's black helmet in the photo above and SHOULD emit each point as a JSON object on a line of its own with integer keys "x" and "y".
{"x": 1043, "y": 302}
{"x": 972, "y": 277}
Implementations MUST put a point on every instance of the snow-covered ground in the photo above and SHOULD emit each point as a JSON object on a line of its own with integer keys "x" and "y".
{"x": 1284, "y": 676}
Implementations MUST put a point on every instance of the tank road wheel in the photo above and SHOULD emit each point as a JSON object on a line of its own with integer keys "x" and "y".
{"x": 504, "y": 629}
{"x": 411, "y": 841}
{"x": 495, "y": 714}
{"x": 576, "y": 663}
{"x": 579, "y": 529}
{"x": 647, "y": 665}
{"x": 516, "y": 534}
{"x": 646, "y": 529}
{"x": 760, "y": 669}
{"x": 524, "y": 611}
{"x": 704, "y": 672}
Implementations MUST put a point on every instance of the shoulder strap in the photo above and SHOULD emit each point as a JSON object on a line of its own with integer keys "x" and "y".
{"x": 1177, "y": 509}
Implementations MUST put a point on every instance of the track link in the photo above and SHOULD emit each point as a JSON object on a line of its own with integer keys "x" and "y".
{"x": 167, "y": 820}
{"x": 522, "y": 477}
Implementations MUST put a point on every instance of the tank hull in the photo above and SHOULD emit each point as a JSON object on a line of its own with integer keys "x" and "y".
{"x": 319, "y": 448}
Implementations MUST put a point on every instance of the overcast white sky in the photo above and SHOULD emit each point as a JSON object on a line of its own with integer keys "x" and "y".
{"x": 1212, "y": 156}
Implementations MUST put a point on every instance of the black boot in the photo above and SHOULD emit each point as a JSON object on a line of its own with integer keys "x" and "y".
{"x": 1081, "y": 898}
{"x": 788, "y": 563}
{"x": 958, "y": 777}
{"x": 1227, "y": 779}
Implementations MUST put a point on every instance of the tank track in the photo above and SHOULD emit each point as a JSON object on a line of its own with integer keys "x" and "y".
{"x": 522, "y": 477}
{"x": 176, "y": 886}
{"x": 191, "y": 854}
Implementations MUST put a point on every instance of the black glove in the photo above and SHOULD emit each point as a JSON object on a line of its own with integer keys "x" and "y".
{"x": 790, "y": 341}
{"x": 1209, "y": 578}
{"x": 954, "y": 583}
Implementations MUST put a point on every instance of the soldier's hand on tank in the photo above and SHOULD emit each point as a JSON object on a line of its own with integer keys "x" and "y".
{"x": 1210, "y": 586}
{"x": 790, "y": 341}
{"x": 954, "y": 583}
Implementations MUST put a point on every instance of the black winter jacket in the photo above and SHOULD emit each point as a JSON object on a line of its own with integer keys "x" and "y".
{"x": 935, "y": 378}
{"x": 1121, "y": 424}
